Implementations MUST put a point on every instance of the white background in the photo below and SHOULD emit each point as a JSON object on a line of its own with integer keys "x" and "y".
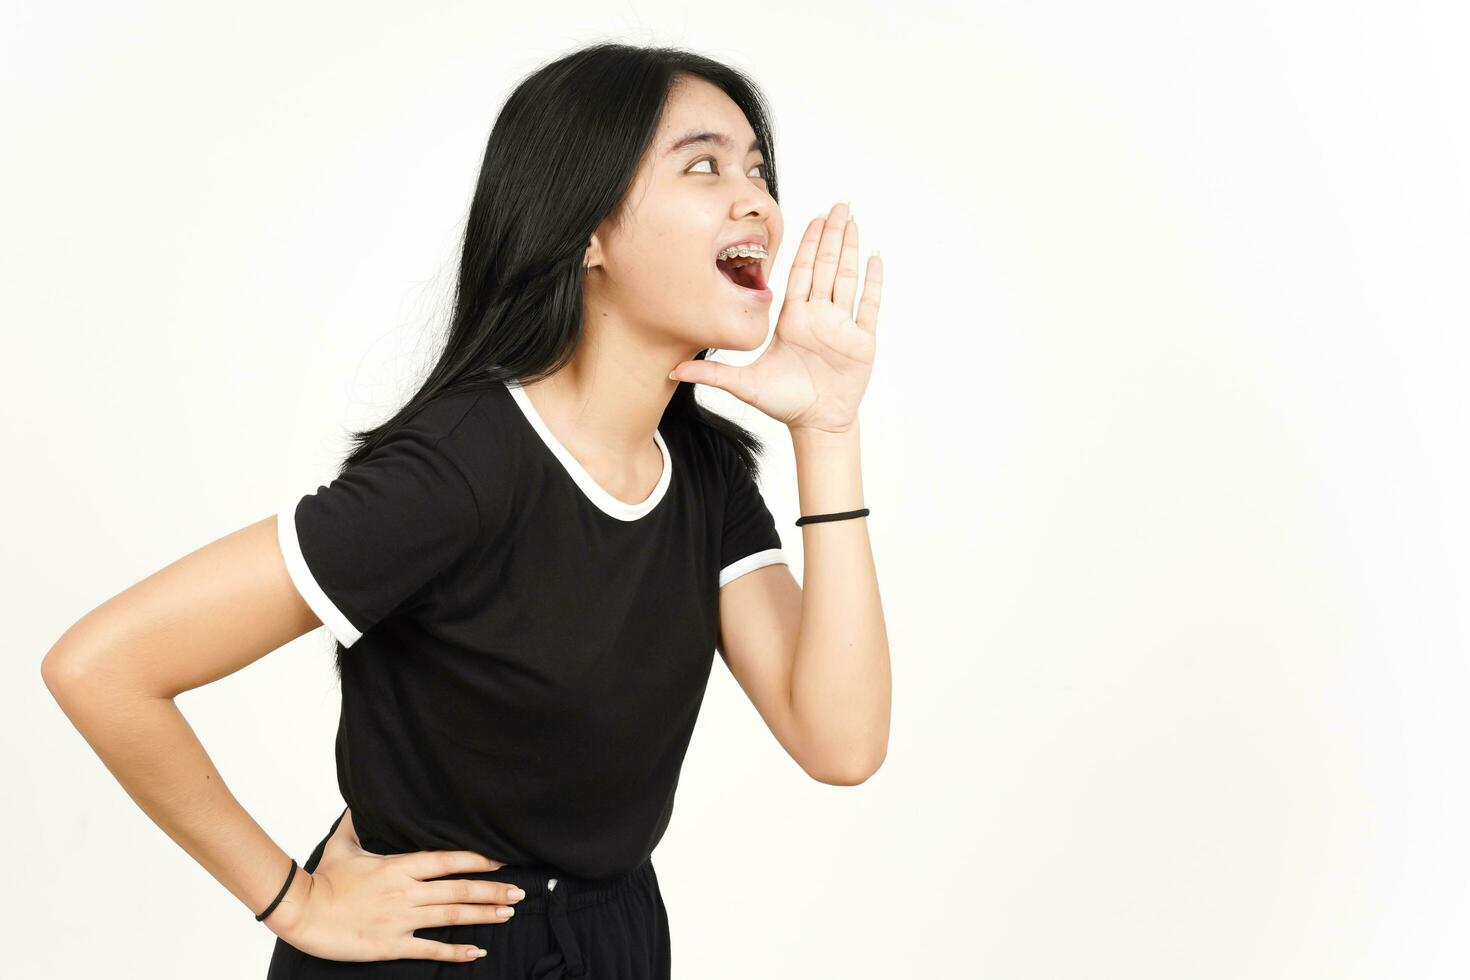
{"x": 1165, "y": 449}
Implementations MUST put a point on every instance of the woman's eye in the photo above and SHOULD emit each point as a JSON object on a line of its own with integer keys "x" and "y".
{"x": 711, "y": 162}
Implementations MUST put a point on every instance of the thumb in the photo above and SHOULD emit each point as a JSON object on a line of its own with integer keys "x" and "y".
{"x": 727, "y": 377}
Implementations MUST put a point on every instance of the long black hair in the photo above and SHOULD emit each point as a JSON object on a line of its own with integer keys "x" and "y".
{"x": 560, "y": 160}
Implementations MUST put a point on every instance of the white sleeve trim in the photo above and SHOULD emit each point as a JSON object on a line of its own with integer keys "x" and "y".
{"x": 750, "y": 563}
{"x": 326, "y": 610}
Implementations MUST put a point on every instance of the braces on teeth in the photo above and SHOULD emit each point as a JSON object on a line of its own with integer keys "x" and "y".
{"x": 742, "y": 252}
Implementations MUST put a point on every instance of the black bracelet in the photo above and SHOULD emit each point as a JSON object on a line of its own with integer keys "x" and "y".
{"x": 272, "y": 907}
{"x": 818, "y": 518}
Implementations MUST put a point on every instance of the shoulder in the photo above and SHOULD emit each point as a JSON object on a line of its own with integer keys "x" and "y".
{"x": 705, "y": 455}
{"x": 444, "y": 415}
{"x": 711, "y": 448}
{"x": 473, "y": 430}
{"x": 724, "y": 459}
{"x": 461, "y": 424}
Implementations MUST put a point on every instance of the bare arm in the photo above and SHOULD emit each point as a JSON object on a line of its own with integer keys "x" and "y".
{"x": 813, "y": 657}
{"x": 117, "y": 671}
{"x": 841, "y": 678}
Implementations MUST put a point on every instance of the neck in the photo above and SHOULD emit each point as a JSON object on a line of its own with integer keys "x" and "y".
{"x": 606, "y": 402}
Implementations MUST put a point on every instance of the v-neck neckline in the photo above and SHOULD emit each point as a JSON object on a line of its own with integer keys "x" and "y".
{"x": 590, "y": 488}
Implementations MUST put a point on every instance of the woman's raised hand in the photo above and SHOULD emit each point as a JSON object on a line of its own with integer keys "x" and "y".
{"x": 361, "y": 906}
{"x": 817, "y": 366}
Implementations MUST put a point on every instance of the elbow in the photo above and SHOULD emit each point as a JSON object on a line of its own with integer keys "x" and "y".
{"x": 72, "y": 670}
{"x": 59, "y": 673}
{"x": 68, "y": 678}
{"x": 851, "y": 772}
{"x": 63, "y": 668}
{"x": 85, "y": 693}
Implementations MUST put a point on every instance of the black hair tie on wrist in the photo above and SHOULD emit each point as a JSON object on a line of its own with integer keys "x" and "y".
{"x": 818, "y": 518}
{"x": 272, "y": 906}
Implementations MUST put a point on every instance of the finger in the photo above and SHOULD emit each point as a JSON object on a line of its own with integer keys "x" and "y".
{"x": 738, "y": 381}
{"x": 435, "y": 916}
{"x": 847, "y": 272}
{"x": 799, "y": 279}
{"x": 467, "y": 891}
{"x": 424, "y": 865}
{"x": 824, "y": 270}
{"x": 428, "y": 949}
{"x": 867, "y": 316}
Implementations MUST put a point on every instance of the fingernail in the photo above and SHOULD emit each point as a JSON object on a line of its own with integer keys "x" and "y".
{"x": 480, "y": 952}
{"x": 517, "y": 894}
{"x": 505, "y": 911}
{"x": 672, "y": 377}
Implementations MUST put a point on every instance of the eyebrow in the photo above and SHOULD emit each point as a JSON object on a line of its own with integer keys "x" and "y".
{"x": 695, "y": 136}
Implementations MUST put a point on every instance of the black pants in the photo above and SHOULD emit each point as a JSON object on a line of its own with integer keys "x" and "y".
{"x": 564, "y": 928}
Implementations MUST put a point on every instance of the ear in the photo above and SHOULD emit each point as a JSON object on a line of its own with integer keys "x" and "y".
{"x": 593, "y": 255}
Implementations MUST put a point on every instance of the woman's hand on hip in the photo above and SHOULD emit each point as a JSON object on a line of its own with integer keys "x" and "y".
{"x": 359, "y": 906}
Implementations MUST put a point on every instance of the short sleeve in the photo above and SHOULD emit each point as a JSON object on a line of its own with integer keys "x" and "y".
{"x": 749, "y": 540}
{"x": 381, "y": 530}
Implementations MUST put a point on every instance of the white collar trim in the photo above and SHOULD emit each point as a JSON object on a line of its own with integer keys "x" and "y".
{"x": 594, "y": 492}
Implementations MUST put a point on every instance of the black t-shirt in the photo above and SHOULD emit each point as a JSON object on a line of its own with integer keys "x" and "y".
{"x": 528, "y": 654}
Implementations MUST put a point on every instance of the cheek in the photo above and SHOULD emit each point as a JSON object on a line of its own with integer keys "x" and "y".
{"x": 666, "y": 283}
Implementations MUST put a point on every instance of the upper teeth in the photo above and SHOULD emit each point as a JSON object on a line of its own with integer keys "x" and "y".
{"x": 742, "y": 251}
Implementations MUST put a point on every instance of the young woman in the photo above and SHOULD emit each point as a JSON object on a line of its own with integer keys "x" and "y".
{"x": 527, "y": 568}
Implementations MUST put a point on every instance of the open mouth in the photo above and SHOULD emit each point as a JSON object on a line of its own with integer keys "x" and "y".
{"x": 743, "y": 272}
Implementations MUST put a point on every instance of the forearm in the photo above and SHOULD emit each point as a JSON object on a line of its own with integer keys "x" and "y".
{"x": 841, "y": 682}
{"x": 151, "y": 749}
